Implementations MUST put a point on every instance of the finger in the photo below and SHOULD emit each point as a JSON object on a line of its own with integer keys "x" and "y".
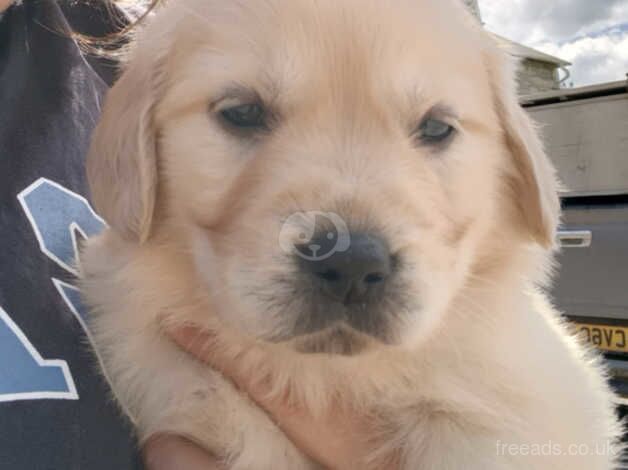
{"x": 227, "y": 358}
{"x": 196, "y": 341}
{"x": 4, "y": 4}
{"x": 170, "y": 452}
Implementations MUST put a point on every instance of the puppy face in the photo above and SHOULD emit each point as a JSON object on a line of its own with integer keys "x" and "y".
{"x": 335, "y": 169}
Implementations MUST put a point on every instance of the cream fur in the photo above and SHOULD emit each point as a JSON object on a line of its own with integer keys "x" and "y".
{"x": 479, "y": 358}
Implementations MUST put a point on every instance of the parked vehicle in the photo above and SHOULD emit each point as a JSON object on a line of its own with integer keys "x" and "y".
{"x": 586, "y": 135}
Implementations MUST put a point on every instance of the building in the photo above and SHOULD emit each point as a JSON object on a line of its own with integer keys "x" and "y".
{"x": 538, "y": 71}
{"x": 474, "y": 7}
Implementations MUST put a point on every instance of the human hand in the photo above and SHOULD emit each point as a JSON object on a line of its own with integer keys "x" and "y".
{"x": 336, "y": 439}
{"x": 4, "y": 4}
{"x": 169, "y": 452}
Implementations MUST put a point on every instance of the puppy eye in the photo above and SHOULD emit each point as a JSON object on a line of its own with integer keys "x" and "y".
{"x": 249, "y": 116}
{"x": 434, "y": 131}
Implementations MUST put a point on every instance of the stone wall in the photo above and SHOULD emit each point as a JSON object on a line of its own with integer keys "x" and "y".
{"x": 535, "y": 76}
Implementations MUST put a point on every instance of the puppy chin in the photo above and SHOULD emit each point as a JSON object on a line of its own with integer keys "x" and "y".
{"x": 338, "y": 339}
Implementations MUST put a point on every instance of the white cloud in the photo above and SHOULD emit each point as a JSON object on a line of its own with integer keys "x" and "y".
{"x": 592, "y": 34}
{"x": 594, "y": 59}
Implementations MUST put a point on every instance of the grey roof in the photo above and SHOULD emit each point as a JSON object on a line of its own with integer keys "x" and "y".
{"x": 566, "y": 94}
{"x": 519, "y": 50}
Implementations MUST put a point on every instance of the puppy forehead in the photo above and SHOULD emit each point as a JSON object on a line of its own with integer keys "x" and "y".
{"x": 414, "y": 49}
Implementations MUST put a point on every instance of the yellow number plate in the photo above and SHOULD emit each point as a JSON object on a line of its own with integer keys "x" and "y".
{"x": 605, "y": 337}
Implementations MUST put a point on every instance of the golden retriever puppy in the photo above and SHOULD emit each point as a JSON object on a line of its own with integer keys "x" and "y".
{"x": 351, "y": 186}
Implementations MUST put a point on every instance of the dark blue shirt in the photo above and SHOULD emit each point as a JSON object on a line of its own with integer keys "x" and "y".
{"x": 56, "y": 411}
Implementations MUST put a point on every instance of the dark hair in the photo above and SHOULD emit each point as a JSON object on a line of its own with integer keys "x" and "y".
{"x": 124, "y": 18}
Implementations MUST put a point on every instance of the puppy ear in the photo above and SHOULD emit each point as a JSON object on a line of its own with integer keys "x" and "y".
{"x": 122, "y": 164}
{"x": 532, "y": 180}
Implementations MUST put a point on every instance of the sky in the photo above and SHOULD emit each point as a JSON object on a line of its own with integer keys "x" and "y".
{"x": 591, "y": 34}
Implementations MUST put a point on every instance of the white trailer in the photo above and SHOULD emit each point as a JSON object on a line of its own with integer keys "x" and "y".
{"x": 586, "y": 135}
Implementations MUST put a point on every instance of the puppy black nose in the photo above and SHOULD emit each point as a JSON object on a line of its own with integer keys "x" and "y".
{"x": 355, "y": 275}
